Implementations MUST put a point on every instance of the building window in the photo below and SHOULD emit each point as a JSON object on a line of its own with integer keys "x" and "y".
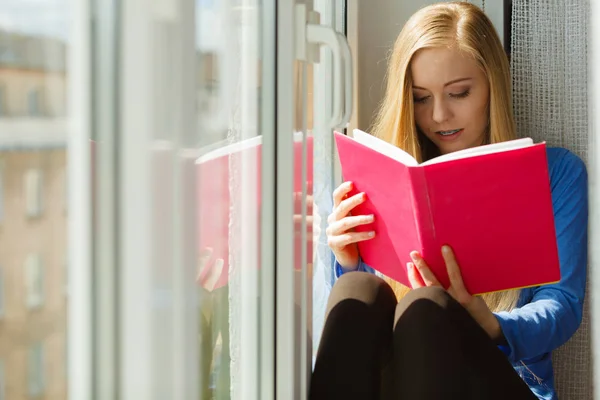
{"x": 65, "y": 179}
{"x": 35, "y": 370}
{"x": 34, "y": 280}
{"x": 2, "y": 381}
{"x": 3, "y": 103}
{"x": 1, "y": 192}
{"x": 66, "y": 278}
{"x": 2, "y": 310}
{"x": 34, "y": 103}
{"x": 33, "y": 193}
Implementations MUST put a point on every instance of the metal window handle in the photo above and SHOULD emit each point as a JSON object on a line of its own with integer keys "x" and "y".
{"x": 348, "y": 84}
{"x": 310, "y": 32}
{"x": 325, "y": 35}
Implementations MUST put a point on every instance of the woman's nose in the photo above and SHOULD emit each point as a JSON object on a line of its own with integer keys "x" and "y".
{"x": 441, "y": 113}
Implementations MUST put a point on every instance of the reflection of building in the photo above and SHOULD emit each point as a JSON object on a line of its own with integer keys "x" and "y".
{"x": 32, "y": 76}
{"x": 33, "y": 212}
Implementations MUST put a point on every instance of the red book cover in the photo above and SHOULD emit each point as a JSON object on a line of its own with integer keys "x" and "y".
{"x": 492, "y": 204}
{"x": 234, "y": 171}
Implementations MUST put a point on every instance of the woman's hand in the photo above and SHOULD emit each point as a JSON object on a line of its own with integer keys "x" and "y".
{"x": 341, "y": 237}
{"x": 208, "y": 273}
{"x": 420, "y": 275}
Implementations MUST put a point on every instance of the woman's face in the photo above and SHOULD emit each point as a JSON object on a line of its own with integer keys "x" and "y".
{"x": 451, "y": 96}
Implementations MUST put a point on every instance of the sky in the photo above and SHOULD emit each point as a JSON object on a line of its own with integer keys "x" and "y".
{"x": 40, "y": 17}
{"x": 52, "y": 18}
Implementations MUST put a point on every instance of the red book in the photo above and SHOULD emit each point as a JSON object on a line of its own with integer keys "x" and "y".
{"x": 233, "y": 171}
{"x": 492, "y": 204}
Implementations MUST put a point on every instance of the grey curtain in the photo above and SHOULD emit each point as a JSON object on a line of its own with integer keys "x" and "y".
{"x": 550, "y": 83}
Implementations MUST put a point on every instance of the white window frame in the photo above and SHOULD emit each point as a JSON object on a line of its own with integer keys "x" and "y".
{"x": 33, "y": 189}
{"x": 158, "y": 319}
{"x": 79, "y": 113}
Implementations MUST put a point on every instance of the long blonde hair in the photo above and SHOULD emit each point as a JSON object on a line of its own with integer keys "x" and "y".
{"x": 458, "y": 25}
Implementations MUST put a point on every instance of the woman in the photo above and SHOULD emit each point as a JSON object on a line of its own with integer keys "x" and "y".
{"x": 449, "y": 88}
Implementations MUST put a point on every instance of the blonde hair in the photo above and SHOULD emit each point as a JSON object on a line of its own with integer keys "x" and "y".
{"x": 465, "y": 27}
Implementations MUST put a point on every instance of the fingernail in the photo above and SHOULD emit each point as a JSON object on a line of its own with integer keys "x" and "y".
{"x": 409, "y": 265}
{"x": 369, "y": 218}
{"x": 372, "y": 233}
{"x": 413, "y": 255}
{"x": 446, "y": 249}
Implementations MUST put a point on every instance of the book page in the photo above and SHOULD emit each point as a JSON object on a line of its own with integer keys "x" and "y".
{"x": 482, "y": 150}
{"x": 222, "y": 148}
{"x": 384, "y": 148}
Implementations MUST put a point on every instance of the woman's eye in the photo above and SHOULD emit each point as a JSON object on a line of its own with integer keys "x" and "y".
{"x": 420, "y": 99}
{"x": 460, "y": 95}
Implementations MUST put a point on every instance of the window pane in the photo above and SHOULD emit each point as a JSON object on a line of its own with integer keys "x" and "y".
{"x": 35, "y": 367}
{"x": 33, "y": 129}
{"x": 232, "y": 95}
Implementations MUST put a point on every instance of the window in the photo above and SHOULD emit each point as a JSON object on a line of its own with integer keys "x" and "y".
{"x": 3, "y": 103}
{"x": 66, "y": 278}
{"x": 65, "y": 180}
{"x": 33, "y": 193}
{"x": 2, "y": 311}
{"x": 2, "y": 381}
{"x": 34, "y": 280}
{"x": 35, "y": 370}
{"x": 44, "y": 110}
{"x": 34, "y": 103}
{"x": 1, "y": 187}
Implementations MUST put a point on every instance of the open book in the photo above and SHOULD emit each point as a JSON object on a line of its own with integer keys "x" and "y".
{"x": 229, "y": 202}
{"x": 492, "y": 204}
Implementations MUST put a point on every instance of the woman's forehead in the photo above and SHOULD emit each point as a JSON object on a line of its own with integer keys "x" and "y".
{"x": 439, "y": 66}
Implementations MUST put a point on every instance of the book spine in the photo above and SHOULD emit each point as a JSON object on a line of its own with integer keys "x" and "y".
{"x": 422, "y": 210}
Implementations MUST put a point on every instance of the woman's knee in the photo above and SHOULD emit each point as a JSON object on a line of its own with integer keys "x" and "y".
{"x": 364, "y": 287}
{"x": 424, "y": 303}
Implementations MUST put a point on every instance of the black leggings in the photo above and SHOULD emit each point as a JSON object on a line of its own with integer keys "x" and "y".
{"x": 427, "y": 346}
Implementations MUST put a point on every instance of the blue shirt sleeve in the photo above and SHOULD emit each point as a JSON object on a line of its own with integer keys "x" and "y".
{"x": 339, "y": 270}
{"x": 554, "y": 312}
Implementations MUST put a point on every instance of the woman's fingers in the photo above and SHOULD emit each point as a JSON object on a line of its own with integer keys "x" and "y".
{"x": 340, "y": 192}
{"x": 203, "y": 258}
{"x": 298, "y": 224}
{"x": 339, "y": 242}
{"x": 454, "y": 275}
{"x": 344, "y": 208}
{"x": 428, "y": 277}
{"x": 298, "y": 197}
{"x": 414, "y": 277}
{"x": 209, "y": 279}
{"x": 214, "y": 275}
{"x": 345, "y": 224}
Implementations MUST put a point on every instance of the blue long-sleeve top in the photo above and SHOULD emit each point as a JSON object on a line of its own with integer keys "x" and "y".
{"x": 547, "y": 316}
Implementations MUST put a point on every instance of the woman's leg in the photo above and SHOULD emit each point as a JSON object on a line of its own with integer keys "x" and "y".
{"x": 356, "y": 340}
{"x": 440, "y": 352}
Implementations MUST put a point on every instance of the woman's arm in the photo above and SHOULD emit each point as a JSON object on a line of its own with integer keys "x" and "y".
{"x": 339, "y": 270}
{"x": 555, "y": 311}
